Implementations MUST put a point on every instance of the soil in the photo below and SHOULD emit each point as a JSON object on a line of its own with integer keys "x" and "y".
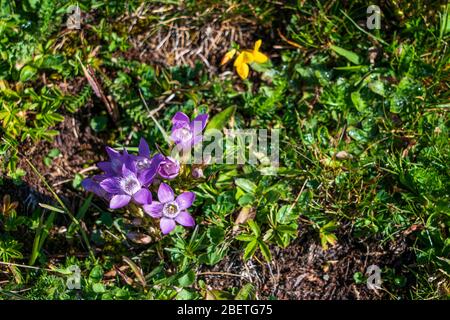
{"x": 304, "y": 271}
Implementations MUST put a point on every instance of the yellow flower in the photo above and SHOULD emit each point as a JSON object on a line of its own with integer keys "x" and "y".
{"x": 241, "y": 64}
{"x": 228, "y": 56}
{"x": 259, "y": 57}
{"x": 246, "y": 57}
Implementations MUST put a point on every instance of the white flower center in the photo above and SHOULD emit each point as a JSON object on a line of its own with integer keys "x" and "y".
{"x": 130, "y": 185}
{"x": 171, "y": 210}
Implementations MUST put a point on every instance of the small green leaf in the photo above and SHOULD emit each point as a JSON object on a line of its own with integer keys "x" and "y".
{"x": 255, "y": 228}
{"x": 51, "y": 208}
{"x": 250, "y": 249}
{"x": 27, "y": 73}
{"x": 98, "y": 288}
{"x": 245, "y": 237}
{"x": 246, "y": 185}
{"x": 358, "y": 101}
{"x": 247, "y": 292}
{"x": 98, "y": 124}
{"x": 54, "y": 153}
{"x": 220, "y": 120}
{"x": 246, "y": 199}
{"x": 377, "y": 87}
{"x": 349, "y": 55}
{"x": 265, "y": 251}
{"x": 187, "y": 279}
{"x": 96, "y": 273}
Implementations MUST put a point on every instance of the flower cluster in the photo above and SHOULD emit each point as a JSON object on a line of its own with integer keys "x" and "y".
{"x": 244, "y": 58}
{"x": 130, "y": 178}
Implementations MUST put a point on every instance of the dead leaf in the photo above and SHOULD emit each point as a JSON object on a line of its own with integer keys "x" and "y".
{"x": 137, "y": 271}
{"x": 246, "y": 213}
{"x": 139, "y": 238}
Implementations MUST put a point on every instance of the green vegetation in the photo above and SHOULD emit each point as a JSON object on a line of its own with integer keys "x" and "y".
{"x": 364, "y": 142}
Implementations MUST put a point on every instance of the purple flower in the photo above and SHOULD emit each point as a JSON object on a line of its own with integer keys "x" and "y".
{"x": 115, "y": 163}
{"x": 93, "y": 185}
{"x": 171, "y": 210}
{"x": 145, "y": 167}
{"x": 186, "y": 133}
{"x": 169, "y": 168}
{"x": 127, "y": 186}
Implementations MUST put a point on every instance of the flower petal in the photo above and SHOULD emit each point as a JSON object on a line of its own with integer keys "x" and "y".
{"x": 154, "y": 209}
{"x": 239, "y": 60}
{"x": 196, "y": 139}
{"x": 169, "y": 168}
{"x": 243, "y": 70}
{"x": 143, "y": 196}
{"x": 165, "y": 193}
{"x": 260, "y": 57}
{"x": 228, "y": 56}
{"x": 144, "y": 150}
{"x": 180, "y": 120}
{"x": 199, "y": 123}
{"x": 119, "y": 201}
{"x": 257, "y": 45}
{"x": 106, "y": 166}
{"x": 146, "y": 176}
{"x": 113, "y": 154}
{"x": 167, "y": 225}
{"x": 185, "y": 219}
{"x": 130, "y": 165}
{"x": 185, "y": 200}
{"x": 127, "y": 168}
{"x": 111, "y": 185}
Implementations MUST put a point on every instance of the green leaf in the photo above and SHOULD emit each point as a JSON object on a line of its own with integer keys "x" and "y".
{"x": 96, "y": 273}
{"x": 285, "y": 214}
{"x": 77, "y": 179}
{"x": 349, "y": 55}
{"x": 187, "y": 279}
{"x": 245, "y": 237}
{"x": 98, "y": 124}
{"x": 265, "y": 251}
{"x": 358, "y": 101}
{"x": 51, "y": 208}
{"x": 247, "y": 292}
{"x": 215, "y": 234}
{"x": 54, "y": 153}
{"x": 377, "y": 87}
{"x": 250, "y": 249}
{"x": 255, "y": 228}
{"x": 246, "y": 199}
{"x": 98, "y": 288}
{"x": 220, "y": 120}
{"x": 27, "y": 73}
{"x": 246, "y": 185}
{"x": 185, "y": 295}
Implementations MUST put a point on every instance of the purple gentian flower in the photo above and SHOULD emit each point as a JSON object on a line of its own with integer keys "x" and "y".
{"x": 171, "y": 210}
{"x": 126, "y": 187}
{"x": 169, "y": 168}
{"x": 145, "y": 166}
{"x": 186, "y": 133}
